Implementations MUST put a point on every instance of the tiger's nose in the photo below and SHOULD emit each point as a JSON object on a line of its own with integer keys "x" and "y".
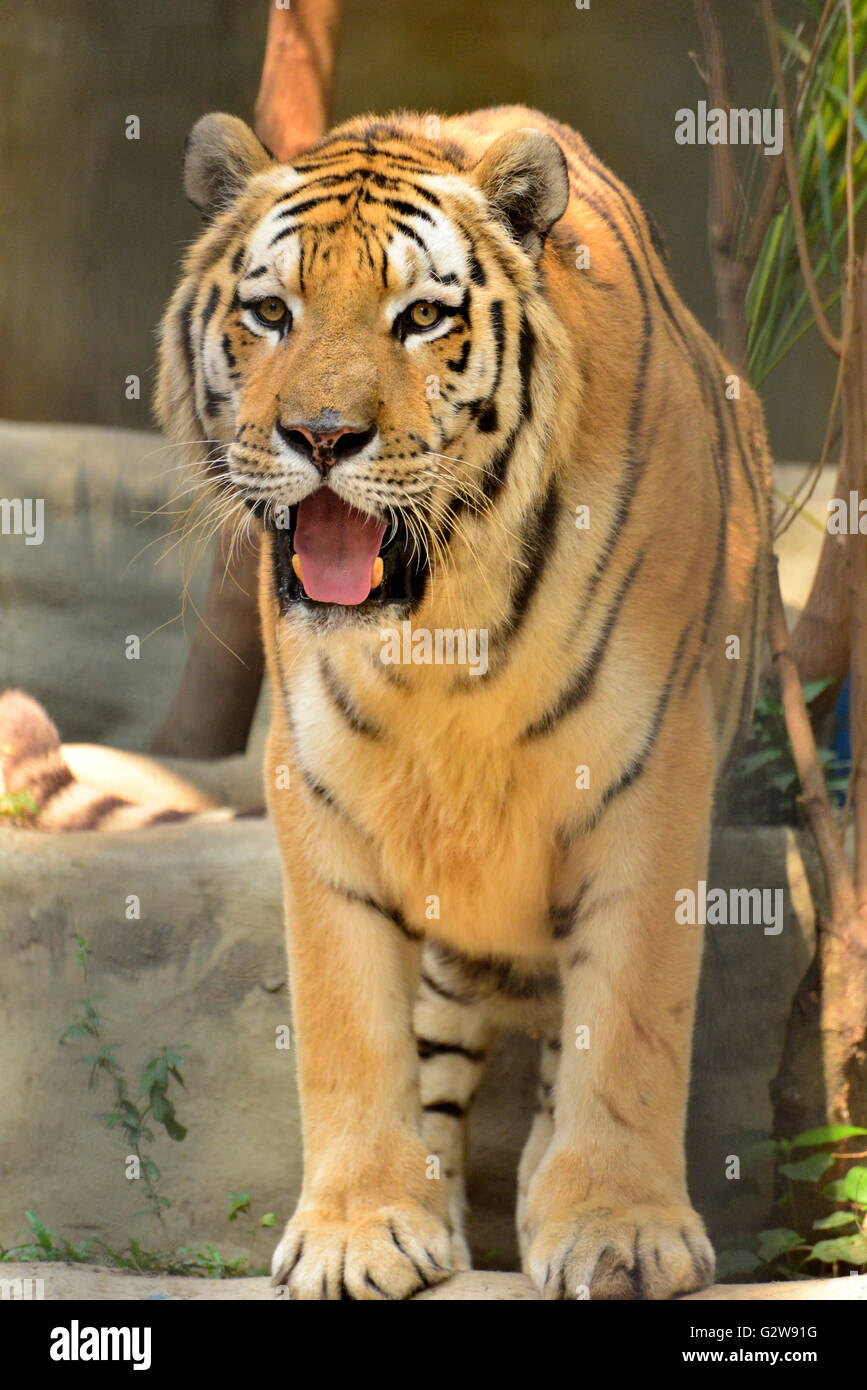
{"x": 326, "y": 447}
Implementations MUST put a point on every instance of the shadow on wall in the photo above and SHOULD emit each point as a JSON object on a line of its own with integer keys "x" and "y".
{"x": 93, "y": 223}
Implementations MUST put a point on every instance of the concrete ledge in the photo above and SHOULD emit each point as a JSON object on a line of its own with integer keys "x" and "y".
{"x": 95, "y": 1283}
{"x": 204, "y": 965}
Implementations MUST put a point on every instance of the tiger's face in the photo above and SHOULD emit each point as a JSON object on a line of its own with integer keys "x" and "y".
{"x": 357, "y": 347}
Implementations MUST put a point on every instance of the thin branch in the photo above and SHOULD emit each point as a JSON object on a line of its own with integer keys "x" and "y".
{"x": 849, "y": 304}
{"x": 814, "y": 798}
{"x": 768, "y": 200}
{"x": 798, "y": 503}
{"x": 834, "y": 343}
{"x": 724, "y": 210}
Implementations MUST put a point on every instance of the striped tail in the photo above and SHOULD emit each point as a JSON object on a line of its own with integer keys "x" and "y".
{"x": 39, "y": 788}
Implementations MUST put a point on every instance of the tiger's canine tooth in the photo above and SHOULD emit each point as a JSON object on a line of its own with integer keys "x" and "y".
{"x": 296, "y": 565}
{"x": 376, "y": 573}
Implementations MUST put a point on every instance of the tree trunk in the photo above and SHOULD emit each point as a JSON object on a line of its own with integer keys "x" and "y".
{"x": 214, "y": 705}
{"x": 855, "y": 455}
{"x": 831, "y": 1006}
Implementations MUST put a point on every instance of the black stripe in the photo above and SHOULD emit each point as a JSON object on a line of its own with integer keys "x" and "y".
{"x": 416, "y": 166}
{"x": 428, "y": 1048}
{"x": 498, "y": 329}
{"x": 398, "y": 205}
{"x": 563, "y": 919}
{"x": 526, "y": 358}
{"x": 360, "y": 174}
{"x": 484, "y": 411}
{"x": 391, "y": 914}
{"x": 412, "y": 234}
{"x": 445, "y": 1107}
{"x": 322, "y": 793}
{"x": 297, "y": 208}
{"x": 537, "y": 546}
{"x": 638, "y": 763}
{"x": 95, "y": 812}
{"x": 185, "y": 315}
{"x": 719, "y": 447}
{"x": 211, "y": 304}
{"x": 497, "y": 468}
{"x": 460, "y": 364}
{"x": 496, "y": 975}
{"x": 477, "y": 271}
{"x": 634, "y": 463}
{"x": 748, "y": 692}
{"x": 581, "y": 685}
{"x": 381, "y": 180}
{"x": 753, "y": 486}
{"x": 344, "y": 704}
{"x": 281, "y": 236}
{"x": 443, "y": 991}
{"x": 656, "y": 240}
{"x": 169, "y": 817}
{"x": 634, "y": 466}
{"x": 45, "y": 782}
{"x": 213, "y": 399}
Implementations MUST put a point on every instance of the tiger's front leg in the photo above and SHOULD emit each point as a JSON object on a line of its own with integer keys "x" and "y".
{"x": 607, "y": 1213}
{"x": 371, "y": 1221}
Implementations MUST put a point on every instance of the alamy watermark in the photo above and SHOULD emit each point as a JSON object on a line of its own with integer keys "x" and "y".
{"x": 718, "y": 907}
{"x": 847, "y": 518}
{"x": 739, "y": 125}
{"x": 25, "y": 1290}
{"x": 23, "y": 516}
{"x": 444, "y": 646}
{"x": 77, "y": 1343}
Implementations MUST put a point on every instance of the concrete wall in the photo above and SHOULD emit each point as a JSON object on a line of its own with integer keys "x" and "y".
{"x": 204, "y": 966}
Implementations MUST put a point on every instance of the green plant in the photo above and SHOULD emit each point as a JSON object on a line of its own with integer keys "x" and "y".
{"x": 18, "y": 807}
{"x": 838, "y": 1237}
{"x": 763, "y": 786}
{"x": 48, "y": 1245}
{"x": 778, "y": 307}
{"x": 210, "y": 1263}
{"x": 207, "y": 1263}
{"x": 133, "y": 1115}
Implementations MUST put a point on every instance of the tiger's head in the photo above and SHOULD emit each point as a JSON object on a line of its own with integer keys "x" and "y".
{"x": 350, "y": 352}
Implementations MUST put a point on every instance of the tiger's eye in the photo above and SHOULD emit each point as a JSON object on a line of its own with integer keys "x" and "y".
{"x": 271, "y": 310}
{"x": 424, "y": 314}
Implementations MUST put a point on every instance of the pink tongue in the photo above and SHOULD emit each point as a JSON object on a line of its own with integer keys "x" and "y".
{"x": 337, "y": 545}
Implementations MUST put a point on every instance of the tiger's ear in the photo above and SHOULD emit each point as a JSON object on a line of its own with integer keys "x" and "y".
{"x": 526, "y": 181}
{"x": 221, "y": 155}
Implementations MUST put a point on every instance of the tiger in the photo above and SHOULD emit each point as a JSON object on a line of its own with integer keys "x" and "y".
{"x": 55, "y": 786}
{"x": 440, "y": 365}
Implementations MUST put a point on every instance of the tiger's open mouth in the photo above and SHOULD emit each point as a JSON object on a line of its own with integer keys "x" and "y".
{"x": 332, "y": 555}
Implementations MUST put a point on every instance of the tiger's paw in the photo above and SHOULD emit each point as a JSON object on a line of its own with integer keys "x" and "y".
{"x": 388, "y": 1253}
{"x": 652, "y": 1252}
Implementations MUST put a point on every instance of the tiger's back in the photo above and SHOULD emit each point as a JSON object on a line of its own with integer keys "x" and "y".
{"x": 617, "y": 585}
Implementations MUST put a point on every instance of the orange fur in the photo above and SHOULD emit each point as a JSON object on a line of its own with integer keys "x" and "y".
{"x": 422, "y": 804}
